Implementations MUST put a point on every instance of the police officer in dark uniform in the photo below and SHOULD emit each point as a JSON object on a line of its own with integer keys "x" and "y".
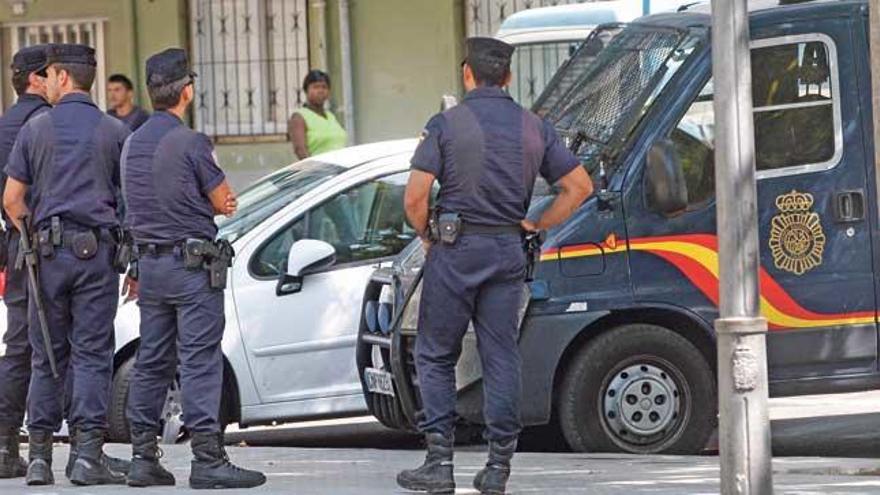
{"x": 486, "y": 154}
{"x": 67, "y": 159}
{"x": 29, "y": 82}
{"x": 173, "y": 188}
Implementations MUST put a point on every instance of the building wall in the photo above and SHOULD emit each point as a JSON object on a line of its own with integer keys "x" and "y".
{"x": 406, "y": 55}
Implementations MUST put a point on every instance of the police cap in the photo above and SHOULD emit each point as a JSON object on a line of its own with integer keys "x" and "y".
{"x": 66, "y": 53}
{"x": 168, "y": 66}
{"x": 488, "y": 53}
{"x": 30, "y": 59}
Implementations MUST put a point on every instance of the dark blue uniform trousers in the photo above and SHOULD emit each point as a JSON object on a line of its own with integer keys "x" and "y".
{"x": 15, "y": 364}
{"x": 181, "y": 318}
{"x": 80, "y": 297}
{"x": 479, "y": 278}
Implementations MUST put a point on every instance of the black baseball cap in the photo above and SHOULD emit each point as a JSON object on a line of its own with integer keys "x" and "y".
{"x": 66, "y": 53}
{"x": 168, "y": 66}
{"x": 488, "y": 52}
{"x": 30, "y": 59}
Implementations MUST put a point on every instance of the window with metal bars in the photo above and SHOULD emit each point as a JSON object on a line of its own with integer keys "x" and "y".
{"x": 84, "y": 31}
{"x": 251, "y": 57}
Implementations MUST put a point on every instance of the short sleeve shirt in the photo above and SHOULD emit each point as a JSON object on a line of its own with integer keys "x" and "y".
{"x": 486, "y": 154}
{"x": 134, "y": 119}
{"x": 69, "y": 156}
{"x": 168, "y": 172}
{"x": 27, "y": 106}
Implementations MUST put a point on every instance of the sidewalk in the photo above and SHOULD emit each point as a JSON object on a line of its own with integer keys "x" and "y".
{"x": 371, "y": 472}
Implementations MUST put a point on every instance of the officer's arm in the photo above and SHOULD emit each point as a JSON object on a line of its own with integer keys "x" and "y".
{"x": 296, "y": 129}
{"x": 223, "y": 199}
{"x": 14, "y": 200}
{"x": 575, "y": 187}
{"x": 416, "y": 200}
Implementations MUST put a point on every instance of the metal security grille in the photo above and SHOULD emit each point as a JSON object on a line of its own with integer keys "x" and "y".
{"x": 484, "y": 17}
{"x": 251, "y": 57}
{"x": 83, "y": 31}
{"x": 617, "y": 84}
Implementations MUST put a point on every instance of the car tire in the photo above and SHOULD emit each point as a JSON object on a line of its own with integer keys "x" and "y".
{"x": 117, "y": 417}
{"x": 640, "y": 389}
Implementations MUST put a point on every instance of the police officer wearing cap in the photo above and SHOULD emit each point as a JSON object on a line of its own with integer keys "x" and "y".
{"x": 173, "y": 187}
{"x": 486, "y": 154}
{"x": 29, "y": 82}
{"x": 67, "y": 161}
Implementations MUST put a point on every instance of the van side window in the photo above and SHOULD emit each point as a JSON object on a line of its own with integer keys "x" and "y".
{"x": 796, "y": 114}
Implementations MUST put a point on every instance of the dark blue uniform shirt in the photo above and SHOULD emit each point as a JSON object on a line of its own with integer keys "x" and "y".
{"x": 27, "y": 106}
{"x": 70, "y": 157}
{"x": 168, "y": 171}
{"x": 486, "y": 154}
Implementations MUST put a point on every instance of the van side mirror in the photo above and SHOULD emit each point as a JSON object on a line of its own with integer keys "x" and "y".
{"x": 307, "y": 255}
{"x": 665, "y": 186}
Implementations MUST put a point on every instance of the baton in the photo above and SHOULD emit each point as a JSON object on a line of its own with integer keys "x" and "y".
{"x": 30, "y": 258}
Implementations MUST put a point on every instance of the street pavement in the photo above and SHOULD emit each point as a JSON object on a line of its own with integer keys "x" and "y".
{"x": 357, "y": 456}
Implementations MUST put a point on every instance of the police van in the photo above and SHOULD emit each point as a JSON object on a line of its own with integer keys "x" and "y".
{"x": 617, "y": 339}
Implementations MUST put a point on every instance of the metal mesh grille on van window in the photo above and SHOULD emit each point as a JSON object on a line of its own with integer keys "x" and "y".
{"x": 594, "y": 101}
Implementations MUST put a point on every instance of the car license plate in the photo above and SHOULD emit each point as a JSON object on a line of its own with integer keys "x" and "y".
{"x": 378, "y": 381}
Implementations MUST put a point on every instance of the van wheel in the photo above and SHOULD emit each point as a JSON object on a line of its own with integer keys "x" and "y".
{"x": 172, "y": 429}
{"x": 641, "y": 389}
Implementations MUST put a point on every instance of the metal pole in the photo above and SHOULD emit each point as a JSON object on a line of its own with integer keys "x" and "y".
{"x": 347, "y": 77}
{"x": 744, "y": 430}
{"x": 874, "y": 20}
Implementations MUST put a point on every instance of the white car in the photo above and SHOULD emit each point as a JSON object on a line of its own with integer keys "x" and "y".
{"x": 292, "y": 311}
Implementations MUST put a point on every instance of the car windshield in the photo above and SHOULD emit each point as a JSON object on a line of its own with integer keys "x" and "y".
{"x": 273, "y": 192}
{"x": 596, "y": 105}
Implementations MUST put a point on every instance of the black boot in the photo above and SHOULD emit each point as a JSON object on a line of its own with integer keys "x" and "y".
{"x": 11, "y": 463}
{"x": 492, "y": 479}
{"x": 91, "y": 466}
{"x": 436, "y": 475}
{"x": 114, "y": 463}
{"x": 145, "y": 467}
{"x": 39, "y": 471}
{"x": 211, "y": 467}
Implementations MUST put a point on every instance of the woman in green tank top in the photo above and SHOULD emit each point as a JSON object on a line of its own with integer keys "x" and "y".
{"x": 312, "y": 129}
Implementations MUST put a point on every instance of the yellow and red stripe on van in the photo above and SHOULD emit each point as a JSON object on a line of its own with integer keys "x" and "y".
{"x": 696, "y": 257}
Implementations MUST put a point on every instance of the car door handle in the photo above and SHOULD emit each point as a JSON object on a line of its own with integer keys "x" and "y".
{"x": 849, "y": 206}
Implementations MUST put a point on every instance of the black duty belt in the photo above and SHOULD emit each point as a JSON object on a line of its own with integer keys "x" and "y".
{"x": 153, "y": 249}
{"x": 474, "y": 228}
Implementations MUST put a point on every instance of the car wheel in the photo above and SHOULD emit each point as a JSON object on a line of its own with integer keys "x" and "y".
{"x": 639, "y": 389}
{"x": 172, "y": 429}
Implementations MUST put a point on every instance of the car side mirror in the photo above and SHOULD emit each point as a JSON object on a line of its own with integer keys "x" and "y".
{"x": 666, "y": 187}
{"x": 305, "y": 256}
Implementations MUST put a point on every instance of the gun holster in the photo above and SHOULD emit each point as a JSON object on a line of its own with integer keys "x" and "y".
{"x": 532, "y": 242}
{"x": 214, "y": 257}
{"x": 444, "y": 227}
{"x": 124, "y": 254}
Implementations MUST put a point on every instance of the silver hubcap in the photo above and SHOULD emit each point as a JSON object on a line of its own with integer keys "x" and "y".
{"x": 640, "y": 402}
{"x": 172, "y": 415}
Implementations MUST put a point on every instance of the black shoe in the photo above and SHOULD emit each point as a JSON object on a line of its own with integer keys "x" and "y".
{"x": 145, "y": 467}
{"x": 211, "y": 467}
{"x": 91, "y": 466}
{"x": 436, "y": 475}
{"x": 11, "y": 463}
{"x": 492, "y": 479}
{"x": 39, "y": 470}
{"x": 113, "y": 463}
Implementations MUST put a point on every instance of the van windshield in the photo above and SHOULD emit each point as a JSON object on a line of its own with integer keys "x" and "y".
{"x": 595, "y": 107}
{"x": 272, "y": 193}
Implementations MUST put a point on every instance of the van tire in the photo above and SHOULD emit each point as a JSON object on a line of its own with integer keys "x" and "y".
{"x": 616, "y": 382}
{"x": 117, "y": 417}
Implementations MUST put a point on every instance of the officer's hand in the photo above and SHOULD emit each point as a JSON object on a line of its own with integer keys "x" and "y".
{"x": 231, "y": 204}
{"x": 130, "y": 289}
{"x": 528, "y": 225}
{"x": 426, "y": 245}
